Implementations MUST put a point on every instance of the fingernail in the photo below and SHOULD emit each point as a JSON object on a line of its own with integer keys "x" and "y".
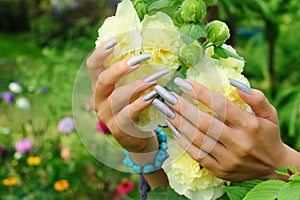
{"x": 240, "y": 86}
{"x": 111, "y": 43}
{"x": 183, "y": 84}
{"x": 138, "y": 59}
{"x": 170, "y": 98}
{"x": 156, "y": 75}
{"x": 163, "y": 108}
{"x": 176, "y": 133}
{"x": 150, "y": 95}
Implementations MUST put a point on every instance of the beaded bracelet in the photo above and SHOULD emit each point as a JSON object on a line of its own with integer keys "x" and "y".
{"x": 160, "y": 156}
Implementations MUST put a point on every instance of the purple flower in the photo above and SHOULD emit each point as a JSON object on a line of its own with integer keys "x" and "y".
{"x": 43, "y": 90}
{"x": 8, "y": 97}
{"x": 23, "y": 146}
{"x": 3, "y": 152}
{"x": 66, "y": 125}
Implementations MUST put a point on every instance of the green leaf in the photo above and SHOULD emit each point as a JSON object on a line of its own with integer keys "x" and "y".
{"x": 295, "y": 177}
{"x": 290, "y": 191}
{"x": 191, "y": 32}
{"x": 267, "y": 190}
{"x": 284, "y": 170}
{"x": 236, "y": 192}
{"x": 249, "y": 183}
{"x": 220, "y": 52}
{"x": 166, "y": 194}
{"x": 161, "y": 4}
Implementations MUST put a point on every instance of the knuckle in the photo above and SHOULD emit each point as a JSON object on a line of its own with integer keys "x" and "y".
{"x": 197, "y": 139}
{"x": 260, "y": 97}
{"x": 253, "y": 125}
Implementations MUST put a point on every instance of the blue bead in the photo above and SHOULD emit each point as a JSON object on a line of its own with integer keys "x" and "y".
{"x": 163, "y": 146}
{"x": 148, "y": 169}
{"x": 162, "y": 137}
{"x": 128, "y": 162}
{"x": 137, "y": 168}
{"x": 157, "y": 130}
{"x": 160, "y": 157}
{"x": 125, "y": 152}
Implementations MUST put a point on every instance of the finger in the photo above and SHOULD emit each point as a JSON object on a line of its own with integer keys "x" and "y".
{"x": 260, "y": 105}
{"x": 224, "y": 108}
{"x": 108, "y": 78}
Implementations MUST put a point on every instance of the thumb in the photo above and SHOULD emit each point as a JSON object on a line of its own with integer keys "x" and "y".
{"x": 260, "y": 105}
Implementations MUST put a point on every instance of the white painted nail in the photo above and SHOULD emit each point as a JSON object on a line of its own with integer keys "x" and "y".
{"x": 138, "y": 59}
{"x": 156, "y": 75}
{"x": 170, "y": 98}
{"x": 183, "y": 84}
{"x": 176, "y": 133}
{"x": 163, "y": 108}
{"x": 150, "y": 95}
{"x": 240, "y": 86}
{"x": 110, "y": 44}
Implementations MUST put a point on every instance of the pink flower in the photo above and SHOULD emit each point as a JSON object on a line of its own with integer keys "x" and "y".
{"x": 125, "y": 187}
{"x": 23, "y": 146}
{"x": 66, "y": 125}
{"x": 102, "y": 128}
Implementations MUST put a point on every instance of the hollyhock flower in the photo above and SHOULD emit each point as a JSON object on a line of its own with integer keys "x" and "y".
{"x": 3, "y": 152}
{"x": 23, "y": 146}
{"x": 65, "y": 154}
{"x": 8, "y": 97}
{"x": 33, "y": 160}
{"x": 6, "y": 130}
{"x": 23, "y": 103}
{"x": 43, "y": 90}
{"x": 125, "y": 187}
{"x": 9, "y": 181}
{"x": 15, "y": 87}
{"x": 61, "y": 185}
{"x": 66, "y": 125}
{"x": 102, "y": 128}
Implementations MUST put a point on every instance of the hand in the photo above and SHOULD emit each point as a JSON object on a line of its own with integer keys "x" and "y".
{"x": 236, "y": 145}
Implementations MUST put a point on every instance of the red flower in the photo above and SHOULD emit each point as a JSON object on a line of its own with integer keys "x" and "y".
{"x": 125, "y": 187}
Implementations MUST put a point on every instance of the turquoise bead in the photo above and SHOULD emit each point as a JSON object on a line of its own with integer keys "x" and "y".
{"x": 163, "y": 146}
{"x": 148, "y": 169}
{"x": 137, "y": 168}
{"x": 128, "y": 162}
{"x": 162, "y": 137}
{"x": 157, "y": 130}
{"x": 160, "y": 157}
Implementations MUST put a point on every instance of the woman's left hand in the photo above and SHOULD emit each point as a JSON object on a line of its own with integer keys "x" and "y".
{"x": 236, "y": 145}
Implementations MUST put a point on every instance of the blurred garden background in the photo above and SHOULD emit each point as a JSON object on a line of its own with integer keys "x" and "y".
{"x": 43, "y": 43}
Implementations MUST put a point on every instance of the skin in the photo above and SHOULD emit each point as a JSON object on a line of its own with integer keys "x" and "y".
{"x": 235, "y": 146}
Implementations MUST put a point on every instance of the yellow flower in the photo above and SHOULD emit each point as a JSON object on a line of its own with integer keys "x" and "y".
{"x": 187, "y": 178}
{"x": 9, "y": 181}
{"x": 125, "y": 26}
{"x": 33, "y": 160}
{"x": 162, "y": 38}
{"x": 61, "y": 185}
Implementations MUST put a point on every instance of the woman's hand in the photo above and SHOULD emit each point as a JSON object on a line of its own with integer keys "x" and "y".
{"x": 236, "y": 145}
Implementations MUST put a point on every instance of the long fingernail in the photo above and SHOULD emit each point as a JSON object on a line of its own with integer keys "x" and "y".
{"x": 183, "y": 84}
{"x": 150, "y": 95}
{"x": 111, "y": 43}
{"x": 163, "y": 108}
{"x": 240, "y": 86}
{"x": 156, "y": 75}
{"x": 176, "y": 133}
{"x": 138, "y": 59}
{"x": 170, "y": 98}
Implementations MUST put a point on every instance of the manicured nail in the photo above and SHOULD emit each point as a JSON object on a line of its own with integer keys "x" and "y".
{"x": 176, "y": 133}
{"x": 183, "y": 84}
{"x": 111, "y": 43}
{"x": 156, "y": 75}
{"x": 170, "y": 98}
{"x": 138, "y": 59}
{"x": 163, "y": 108}
{"x": 150, "y": 95}
{"x": 240, "y": 86}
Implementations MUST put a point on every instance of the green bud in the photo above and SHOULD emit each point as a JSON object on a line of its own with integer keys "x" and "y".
{"x": 191, "y": 54}
{"x": 177, "y": 17}
{"x": 217, "y": 32}
{"x": 141, "y": 8}
{"x": 193, "y": 10}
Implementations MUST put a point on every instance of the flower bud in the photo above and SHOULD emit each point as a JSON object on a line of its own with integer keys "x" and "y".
{"x": 191, "y": 54}
{"x": 177, "y": 18}
{"x": 193, "y": 10}
{"x": 217, "y": 32}
{"x": 141, "y": 8}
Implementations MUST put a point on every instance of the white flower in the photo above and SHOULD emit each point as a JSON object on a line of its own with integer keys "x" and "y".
{"x": 23, "y": 103}
{"x": 15, "y": 87}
